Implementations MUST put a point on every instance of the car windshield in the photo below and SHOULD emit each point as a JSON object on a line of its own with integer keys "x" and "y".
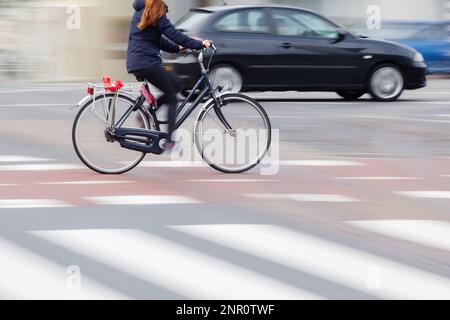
{"x": 192, "y": 21}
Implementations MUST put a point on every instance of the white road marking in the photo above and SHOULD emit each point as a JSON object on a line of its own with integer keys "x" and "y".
{"x": 320, "y": 163}
{"x": 12, "y": 158}
{"x": 232, "y": 180}
{"x": 172, "y": 265}
{"x": 425, "y": 194}
{"x": 378, "y": 178}
{"x": 172, "y": 164}
{"x": 28, "y": 90}
{"x": 425, "y": 102}
{"x": 306, "y": 197}
{"x": 306, "y": 163}
{"x": 37, "y": 105}
{"x": 85, "y": 182}
{"x": 398, "y": 118}
{"x": 26, "y": 275}
{"x": 32, "y": 203}
{"x": 429, "y": 92}
{"x": 40, "y": 167}
{"x": 8, "y": 185}
{"x": 357, "y": 269}
{"x": 139, "y": 200}
{"x": 425, "y": 232}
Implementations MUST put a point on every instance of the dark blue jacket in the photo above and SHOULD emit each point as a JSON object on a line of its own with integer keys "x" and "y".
{"x": 144, "y": 46}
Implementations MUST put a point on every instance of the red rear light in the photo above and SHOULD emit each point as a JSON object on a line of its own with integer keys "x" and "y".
{"x": 90, "y": 91}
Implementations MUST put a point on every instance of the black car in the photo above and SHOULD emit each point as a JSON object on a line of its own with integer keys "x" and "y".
{"x": 280, "y": 48}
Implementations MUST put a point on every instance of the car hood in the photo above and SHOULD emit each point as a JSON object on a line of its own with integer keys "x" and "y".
{"x": 390, "y": 46}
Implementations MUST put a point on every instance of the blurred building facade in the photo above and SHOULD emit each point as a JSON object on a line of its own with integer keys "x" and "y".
{"x": 79, "y": 40}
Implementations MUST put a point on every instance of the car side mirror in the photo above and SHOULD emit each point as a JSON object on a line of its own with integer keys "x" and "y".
{"x": 341, "y": 34}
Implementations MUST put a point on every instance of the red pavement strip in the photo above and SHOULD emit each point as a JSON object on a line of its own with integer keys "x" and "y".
{"x": 173, "y": 181}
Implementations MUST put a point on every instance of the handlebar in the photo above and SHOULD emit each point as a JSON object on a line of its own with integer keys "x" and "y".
{"x": 201, "y": 54}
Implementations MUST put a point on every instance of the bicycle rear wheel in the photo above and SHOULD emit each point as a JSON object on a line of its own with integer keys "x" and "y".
{"x": 238, "y": 143}
{"x": 95, "y": 148}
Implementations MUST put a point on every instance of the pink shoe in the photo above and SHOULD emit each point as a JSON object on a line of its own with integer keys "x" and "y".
{"x": 169, "y": 146}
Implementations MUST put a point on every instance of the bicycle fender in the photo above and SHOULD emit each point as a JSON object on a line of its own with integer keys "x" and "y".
{"x": 88, "y": 98}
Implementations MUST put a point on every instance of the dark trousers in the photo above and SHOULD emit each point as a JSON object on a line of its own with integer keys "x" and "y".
{"x": 162, "y": 80}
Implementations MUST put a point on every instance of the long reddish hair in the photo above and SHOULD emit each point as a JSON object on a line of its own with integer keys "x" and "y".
{"x": 154, "y": 9}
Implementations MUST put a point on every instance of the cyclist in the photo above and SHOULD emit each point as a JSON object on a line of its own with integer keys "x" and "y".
{"x": 151, "y": 31}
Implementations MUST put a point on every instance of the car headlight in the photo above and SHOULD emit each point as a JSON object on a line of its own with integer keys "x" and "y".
{"x": 418, "y": 57}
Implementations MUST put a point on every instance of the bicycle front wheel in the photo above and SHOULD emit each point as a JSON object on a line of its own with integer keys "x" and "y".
{"x": 98, "y": 150}
{"x": 234, "y": 137}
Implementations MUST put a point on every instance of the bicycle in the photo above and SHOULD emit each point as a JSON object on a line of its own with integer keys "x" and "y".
{"x": 110, "y": 146}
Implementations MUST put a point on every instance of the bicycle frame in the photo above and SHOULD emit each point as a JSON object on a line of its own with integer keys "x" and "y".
{"x": 208, "y": 90}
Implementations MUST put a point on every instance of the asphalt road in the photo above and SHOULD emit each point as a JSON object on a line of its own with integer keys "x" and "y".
{"x": 358, "y": 209}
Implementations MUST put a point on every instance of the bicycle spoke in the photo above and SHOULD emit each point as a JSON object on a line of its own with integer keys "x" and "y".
{"x": 98, "y": 116}
{"x": 250, "y": 135}
{"x": 99, "y": 150}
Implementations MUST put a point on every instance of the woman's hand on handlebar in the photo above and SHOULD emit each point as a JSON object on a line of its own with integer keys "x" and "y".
{"x": 207, "y": 43}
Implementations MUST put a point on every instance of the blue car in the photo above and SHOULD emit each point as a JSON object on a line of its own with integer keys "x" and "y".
{"x": 431, "y": 38}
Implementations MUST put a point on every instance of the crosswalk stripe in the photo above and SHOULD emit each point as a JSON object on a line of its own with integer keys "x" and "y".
{"x": 86, "y": 182}
{"x": 12, "y": 158}
{"x": 26, "y": 275}
{"x": 141, "y": 200}
{"x": 378, "y": 178}
{"x": 425, "y": 232}
{"x": 40, "y": 167}
{"x": 425, "y": 194}
{"x": 305, "y": 197}
{"x": 344, "y": 265}
{"x": 173, "y": 266}
{"x": 31, "y": 203}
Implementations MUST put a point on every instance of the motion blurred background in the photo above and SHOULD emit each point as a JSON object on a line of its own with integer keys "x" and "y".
{"x": 41, "y": 42}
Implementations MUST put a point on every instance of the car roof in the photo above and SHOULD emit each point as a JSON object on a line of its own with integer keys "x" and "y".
{"x": 212, "y": 9}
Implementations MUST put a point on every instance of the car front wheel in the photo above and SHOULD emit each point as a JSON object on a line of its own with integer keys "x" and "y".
{"x": 226, "y": 77}
{"x": 386, "y": 83}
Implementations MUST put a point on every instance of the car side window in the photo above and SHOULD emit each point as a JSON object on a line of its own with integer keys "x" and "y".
{"x": 248, "y": 21}
{"x": 302, "y": 24}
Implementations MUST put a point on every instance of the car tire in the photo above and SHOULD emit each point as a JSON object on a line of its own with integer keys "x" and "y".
{"x": 386, "y": 82}
{"x": 226, "y": 76}
{"x": 350, "y": 95}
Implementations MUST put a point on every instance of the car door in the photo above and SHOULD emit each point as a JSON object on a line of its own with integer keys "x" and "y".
{"x": 310, "y": 55}
{"x": 246, "y": 40}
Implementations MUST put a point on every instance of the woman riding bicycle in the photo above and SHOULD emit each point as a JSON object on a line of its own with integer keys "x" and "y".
{"x": 151, "y": 31}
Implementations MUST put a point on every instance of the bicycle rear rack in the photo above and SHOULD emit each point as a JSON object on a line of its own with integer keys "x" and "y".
{"x": 95, "y": 90}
